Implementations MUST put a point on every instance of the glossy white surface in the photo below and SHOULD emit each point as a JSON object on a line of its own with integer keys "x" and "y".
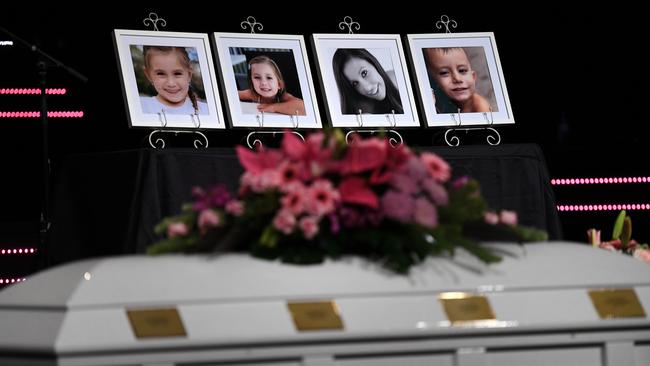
{"x": 236, "y": 304}
{"x": 134, "y": 280}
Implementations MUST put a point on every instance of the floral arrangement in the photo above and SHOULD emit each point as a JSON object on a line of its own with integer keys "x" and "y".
{"x": 622, "y": 241}
{"x": 308, "y": 200}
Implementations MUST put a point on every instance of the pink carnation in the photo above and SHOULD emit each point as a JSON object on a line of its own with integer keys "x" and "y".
{"x": 207, "y": 220}
{"x": 295, "y": 199}
{"x": 284, "y": 221}
{"x": 309, "y": 226}
{"x": 322, "y": 198}
{"x": 491, "y": 217}
{"x": 177, "y": 229}
{"x": 437, "y": 167}
{"x": 508, "y": 217}
{"x": 235, "y": 207}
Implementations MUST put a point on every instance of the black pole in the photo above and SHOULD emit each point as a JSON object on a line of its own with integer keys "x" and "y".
{"x": 44, "y": 221}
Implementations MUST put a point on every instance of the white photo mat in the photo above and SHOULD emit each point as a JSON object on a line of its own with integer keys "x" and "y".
{"x": 387, "y": 49}
{"x": 502, "y": 111}
{"x": 243, "y": 114}
{"x": 124, "y": 39}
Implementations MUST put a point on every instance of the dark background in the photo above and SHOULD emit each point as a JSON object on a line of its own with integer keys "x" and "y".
{"x": 577, "y": 80}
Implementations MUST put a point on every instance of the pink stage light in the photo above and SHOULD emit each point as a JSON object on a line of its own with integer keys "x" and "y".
{"x": 37, "y": 114}
{"x": 23, "y": 251}
{"x": 607, "y": 180}
{"x": 606, "y": 207}
{"x": 28, "y": 91}
{"x": 6, "y": 281}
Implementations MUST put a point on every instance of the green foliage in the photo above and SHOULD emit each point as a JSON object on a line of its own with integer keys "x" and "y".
{"x": 618, "y": 225}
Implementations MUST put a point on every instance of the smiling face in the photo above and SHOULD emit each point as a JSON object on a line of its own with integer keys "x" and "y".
{"x": 169, "y": 76}
{"x": 364, "y": 78}
{"x": 452, "y": 71}
{"x": 265, "y": 80}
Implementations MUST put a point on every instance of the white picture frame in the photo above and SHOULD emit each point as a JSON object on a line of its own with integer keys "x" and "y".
{"x": 438, "y": 107}
{"x": 289, "y": 58}
{"x": 355, "y": 103}
{"x": 140, "y": 92}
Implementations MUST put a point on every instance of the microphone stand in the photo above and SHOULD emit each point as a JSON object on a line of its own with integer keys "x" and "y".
{"x": 45, "y": 61}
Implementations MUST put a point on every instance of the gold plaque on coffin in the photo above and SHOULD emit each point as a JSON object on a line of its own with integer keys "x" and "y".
{"x": 321, "y": 315}
{"x": 462, "y": 307}
{"x": 616, "y": 303}
{"x": 148, "y": 323}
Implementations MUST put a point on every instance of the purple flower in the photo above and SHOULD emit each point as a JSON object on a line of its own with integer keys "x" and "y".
{"x": 335, "y": 225}
{"x": 397, "y": 205}
{"x": 404, "y": 183}
{"x": 460, "y": 182}
{"x": 425, "y": 213}
{"x": 218, "y": 196}
{"x": 436, "y": 191}
{"x": 351, "y": 217}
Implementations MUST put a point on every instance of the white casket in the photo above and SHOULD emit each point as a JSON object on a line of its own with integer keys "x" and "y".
{"x": 234, "y": 310}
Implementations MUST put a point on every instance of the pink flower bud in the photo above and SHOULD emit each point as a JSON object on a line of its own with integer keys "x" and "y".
{"x": 593, "y": 236}
{"x": 207, "y": 220}
{"x": 642, "y": 254}
{"x": 491, "y": 217}
{"x": 177, "y": 229}
{"x": 508, "y": 217}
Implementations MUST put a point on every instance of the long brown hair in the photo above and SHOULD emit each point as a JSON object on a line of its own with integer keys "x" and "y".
{"x": 351, "y": 100}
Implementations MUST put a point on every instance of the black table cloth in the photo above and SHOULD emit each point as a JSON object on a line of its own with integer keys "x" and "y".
{"x": 108, "y": 203}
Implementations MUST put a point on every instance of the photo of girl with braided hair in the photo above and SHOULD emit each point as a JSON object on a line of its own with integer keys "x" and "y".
{"x": 170, "y": 70}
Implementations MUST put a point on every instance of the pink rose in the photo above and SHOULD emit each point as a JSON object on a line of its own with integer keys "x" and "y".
{"x": 508, "y": 217}
{"x": 177, "y": 229}
{"x": 235, "y": 207}
{"x": 491, "y": 217}
{"x": 309, "y": 226}
{"x": 207, "y": 220}
{"x": 642, "y": 254}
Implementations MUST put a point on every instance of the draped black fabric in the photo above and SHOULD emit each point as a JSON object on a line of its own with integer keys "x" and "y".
{"x": 108, "y": 203}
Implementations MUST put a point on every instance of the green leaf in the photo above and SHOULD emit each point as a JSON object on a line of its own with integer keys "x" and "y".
{"x": 618, "y": 225}
{"x": 626, "y": 233}
{"x": 269, "y": 237}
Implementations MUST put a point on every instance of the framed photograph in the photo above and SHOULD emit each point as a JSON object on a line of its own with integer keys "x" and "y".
{"x": 266, "y": 80}
{"x": 459, "y": 79}
{"x": 365, "y": 80}
{"x": 168, "y": 79}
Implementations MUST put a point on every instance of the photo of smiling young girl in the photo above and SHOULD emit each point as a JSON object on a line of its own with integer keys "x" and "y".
{"x": 169, "y": 80}
{"x": 365, "y": 86}
{"x": 268, "y": 82}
